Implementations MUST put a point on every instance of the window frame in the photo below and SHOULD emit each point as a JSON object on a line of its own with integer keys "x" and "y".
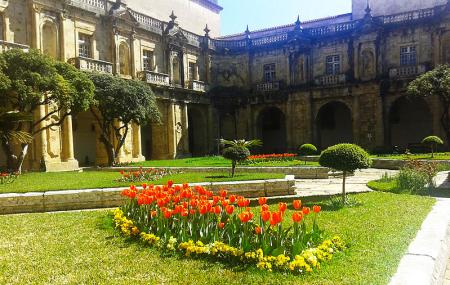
{"x": 408, "y": 55}
{"x": 87, "y": 44}
{"x": 148, "y": 61}
{"x": 269, "y": 72}
{"x": 333, "y": 64}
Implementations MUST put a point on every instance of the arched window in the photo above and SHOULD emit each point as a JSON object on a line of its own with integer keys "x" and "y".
{"x": 124, "y": 59}
{"x": 50, "y": 40}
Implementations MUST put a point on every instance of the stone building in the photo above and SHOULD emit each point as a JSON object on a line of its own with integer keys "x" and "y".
{"x": 330, "y": 80}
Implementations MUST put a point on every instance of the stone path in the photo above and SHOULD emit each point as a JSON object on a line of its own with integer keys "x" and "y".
{"x": 332, "y": 186}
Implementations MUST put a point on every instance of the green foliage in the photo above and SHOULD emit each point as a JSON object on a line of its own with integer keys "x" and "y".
{"x": 8, "y": 126}
{"x": 432, "y": 140}
{"x": 241, "y": 142}
{"x": 236, "y": 153}
{"x": 307, "y": 149}
{"x": 345, "y": 157}
{"x": 412, "y": 181}
{"x": 432, "y": 83}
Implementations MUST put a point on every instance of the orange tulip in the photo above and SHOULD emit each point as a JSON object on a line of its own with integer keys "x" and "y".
{"x": 276, "y": 218}
{"x": 223, "y": 193}
{"x": 170, "y": 183}
{"x": 217, "y": 210}
{"x": 282, "y": 206}
{"x": 264, "y": 207}
{"x": 258, "y": 230}
{"x": 316, "y": 209}
{"x": 221, "y": 225}
{"x": 297, "y": 217}
{"x": 229, "y": 209}
{"x": 262, "y": 200}
{"x": 297, "y": 204}
{"x": 232, "y": 198}
{"x": 306, "y": 210}
{"x": 265, "y": 215}
{"x": 244, "y": 217}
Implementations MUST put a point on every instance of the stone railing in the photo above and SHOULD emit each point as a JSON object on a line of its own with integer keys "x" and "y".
{"x": 228, "y": 44}
{"x": 95, "y": 6}
{"x": 148, "y": 23}
{"x": 156, "y": 78}
{"x": 342, "y": 27}
{"x": 408, "y": 16}
{"x": 197, "y": 85}
{"x": 268, "y": 86}
{"x": 331, "y": 79}
{"x": 192, "y": 38}
{"x": 407, "y": 71}
{"x": 269, "y": 39}
{"x": 5, "y": 46}
{"x": 89, "y": 64}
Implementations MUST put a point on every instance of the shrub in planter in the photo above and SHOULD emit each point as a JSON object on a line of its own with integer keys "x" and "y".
{"x": 307, "y": 149}
{"x": 346, "y": 158}
{"x": 235, "y": 154}
{"x": 433, "y": 142}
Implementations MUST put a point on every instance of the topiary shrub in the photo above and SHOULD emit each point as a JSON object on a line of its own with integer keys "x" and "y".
{"x": 346, "y": 158}
{"x": 235, "y": 154}
{"x": 307, "y": 149}
{"x": 433, "y": 142}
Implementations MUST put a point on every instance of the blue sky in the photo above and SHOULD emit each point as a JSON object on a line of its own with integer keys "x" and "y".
{"x": 260, "y": 14}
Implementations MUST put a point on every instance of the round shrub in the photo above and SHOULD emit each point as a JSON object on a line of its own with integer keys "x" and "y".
{"x": 345, "y": 157}
{"x": 307, "y": 149}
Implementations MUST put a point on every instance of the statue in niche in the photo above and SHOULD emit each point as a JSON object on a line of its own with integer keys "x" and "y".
{"x": 53, "y": 137}
{"x": 367, "y": 64}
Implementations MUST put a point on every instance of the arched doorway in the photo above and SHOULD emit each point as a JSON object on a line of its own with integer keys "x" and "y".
{"x": 85, "y": 139}
{"x": 124, "y": 59}
{"x": 410, "y": 121}
{"x": 50, "y": 40}
{"x": 147, "y": 141}
{"x": 228, "y": 127}
{"x": 198, "y": 141}
{"x": 334, "y": 124}
{"x": 272, "y": 130}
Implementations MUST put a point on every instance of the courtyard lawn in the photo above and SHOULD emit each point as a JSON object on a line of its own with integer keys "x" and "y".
{"x": 437, "y": 156}
{"x": 384, "y": 184}
{"x": 40, "y": 181}
{"x": 81, "y": 247}
{"x": 216, "y": 161}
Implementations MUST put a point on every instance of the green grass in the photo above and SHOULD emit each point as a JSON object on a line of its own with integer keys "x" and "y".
{"x": 216, "y": 161}
{"x": 437, "y": 156}
{"x": 384, "y": 184}
{"x": 39, "y": 181}
{"x": 81, "y": 248}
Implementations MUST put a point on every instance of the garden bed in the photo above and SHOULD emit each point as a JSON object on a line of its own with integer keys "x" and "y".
{"x": 81, "y": 247}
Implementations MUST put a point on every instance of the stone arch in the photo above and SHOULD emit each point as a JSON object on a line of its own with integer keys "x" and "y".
{"x": 147, "y": 141}
{"x": 85, "y": 138}
{"x": 272, "y": 130}
{"x": 334, "y": 124}
{"x": 410, "y": 120}
{"x": 197, "y": 127}
{"x": 49, "y": 44}
{"x": 228, "y": 126}
{"x": 124, "y": 59}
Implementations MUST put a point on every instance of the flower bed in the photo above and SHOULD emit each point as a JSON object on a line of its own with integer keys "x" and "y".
{"x": 141, "y": 174}
{"x": 6, "y": 177}
{"x": 270, "y": 157}
{"x": 195, "y": 222}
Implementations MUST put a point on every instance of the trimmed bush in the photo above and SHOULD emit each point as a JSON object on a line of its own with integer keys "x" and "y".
{"x": 433, "y": 142}
{"x": 346, "y": 158}
{"x": 235, "y": 154}
{"x": 307, "y": 149}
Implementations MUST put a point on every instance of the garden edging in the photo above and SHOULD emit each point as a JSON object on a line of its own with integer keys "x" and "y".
{"x": 426, "y": 259}
{"x": 11, "y": 203}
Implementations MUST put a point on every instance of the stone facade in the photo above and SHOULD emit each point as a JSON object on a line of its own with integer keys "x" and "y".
{"x": 337, "y": 79}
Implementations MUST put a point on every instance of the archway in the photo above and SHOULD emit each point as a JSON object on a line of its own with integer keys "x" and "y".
{"x": 410, "y": 121}
{"x": 124, "y": 59}
{"x": 198, "y": 141}
{"x": 272, "y": 130}
{"x": 228, "y": 127}
{"x": 50, "y": 40}
{"x": 85, "y": 139}
{"x": 147, "y": 141}
{"x": 334, "y": 124}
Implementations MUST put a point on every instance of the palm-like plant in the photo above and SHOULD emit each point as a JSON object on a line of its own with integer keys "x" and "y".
{"x": 9, "y": 132}
{"x": 241, "y": 142}
{"x": 237, "y": 150}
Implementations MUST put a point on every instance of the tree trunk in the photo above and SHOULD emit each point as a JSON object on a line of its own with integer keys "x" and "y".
{"x": 10, "y": 157}
{"x": 21, "y": 158}
{"x": 432, "y": 151}
{"x": 109, "y": 150}
{"x": 445, "y": 119}
{"x": 233, "y": 167}
{"x": 343, "y": 187}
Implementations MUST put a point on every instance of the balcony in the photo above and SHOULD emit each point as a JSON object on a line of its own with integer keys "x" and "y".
{"x": 197, "y": 85}
{"x": 156, "y": 78}
{"x": 95, "y": 6}
{"x": 5, "y": 46}
{"x": 332, "y": 79}
{"x": 89, "y": 64}
{"x": 268, "y": 86}
{"x": 407, "y": 71}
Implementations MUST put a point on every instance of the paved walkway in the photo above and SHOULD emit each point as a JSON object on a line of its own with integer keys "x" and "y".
{"x": 332, "y": 186}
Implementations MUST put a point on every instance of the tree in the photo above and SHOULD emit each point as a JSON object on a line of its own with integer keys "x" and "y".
{"x": 307, "y": 149}
{"x": 432, "y": 141}
{"x": 346, "y": 158}
{"x": 36, "y": 80}
{"x": 120, "y": 102}
{"x": 435, "y": 83}
{"x": 235, "y": 154}
{"x": 237, "y": 150}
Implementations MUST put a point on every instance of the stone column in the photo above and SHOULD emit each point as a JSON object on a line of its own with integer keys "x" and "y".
{"x": 132, "y": 54}
{"x": 42, "y": 136}
{"x": 137, "y": 142}
{"x": 171, "y": 129}
{"x": 68, "y": 139}
{"x": 185, "y": 130}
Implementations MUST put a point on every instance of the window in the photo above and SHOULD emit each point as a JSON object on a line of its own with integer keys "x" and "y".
{"x": 269, "y": 72}
{"x": 408, "y": 55}
{"x": 147, "y": 58}
{"x": 333, "y": 65}
{"x": 84, "y": 45}
{"x": 192, "y": 71}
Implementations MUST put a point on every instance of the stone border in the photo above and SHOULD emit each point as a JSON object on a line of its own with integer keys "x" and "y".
{"x": 298, "y": 172}
{"x": 426, "y": 259}
{"x": 12, "y": 203}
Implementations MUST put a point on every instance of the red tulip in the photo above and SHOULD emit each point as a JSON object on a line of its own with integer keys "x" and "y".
{"x": 262, "y": 200}
{"x": 297, "y": 204}
{"x": 306, "y": 210}
{"x": 282, "y": 206}
{"x": 265, "y": 215}
{"x": 297, "y": 217}
{"x": 229, "y": 209}
{"x": 316, "y": 209}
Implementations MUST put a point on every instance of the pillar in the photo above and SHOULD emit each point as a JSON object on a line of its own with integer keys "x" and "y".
{"x": 68, "y": 139}
{"x": 185, "y": 129}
